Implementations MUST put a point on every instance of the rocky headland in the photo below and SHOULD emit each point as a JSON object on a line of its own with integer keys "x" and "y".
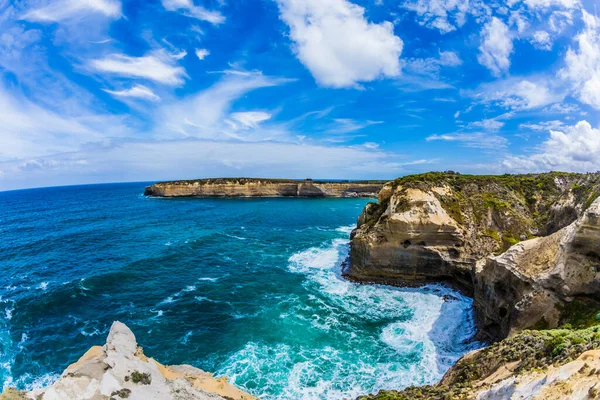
{"x": 120, "y": 370}
{"x": 258, "y": 187}
{"x": 526, "y": 247}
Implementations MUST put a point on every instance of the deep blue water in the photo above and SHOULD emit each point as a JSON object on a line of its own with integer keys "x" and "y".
{"x": 249, "y": 288}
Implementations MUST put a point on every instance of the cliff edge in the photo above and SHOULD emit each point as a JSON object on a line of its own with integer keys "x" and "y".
{"x": 526, "y": 247}
{"x": 120, "y": 370}
{"x": 258, "y": 187}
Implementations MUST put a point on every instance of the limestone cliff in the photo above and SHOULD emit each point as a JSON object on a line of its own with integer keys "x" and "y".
{"x": 534, "y": 281}
{"x": 527, "y": 247}
{"x": 250, "y": 187}
{"x": 436, "y": 226}
{"x": 458, "y": 228}
{"x": 120, "y": 370}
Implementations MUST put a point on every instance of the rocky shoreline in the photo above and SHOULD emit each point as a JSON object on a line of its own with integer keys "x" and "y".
{"x": 258, "y": 187}
{"x": 526, "y": 248}
{"x": 120, "y": 370}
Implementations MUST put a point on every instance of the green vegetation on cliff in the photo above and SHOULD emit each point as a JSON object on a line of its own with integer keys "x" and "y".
{"x": 508, "y": 208}
{"x": 529, "y": 350}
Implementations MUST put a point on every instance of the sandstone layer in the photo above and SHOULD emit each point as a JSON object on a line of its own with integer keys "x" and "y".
{"x": 250, "y": 187}
{"x": 524, "y": 246}
{"x": 120, "y": 370}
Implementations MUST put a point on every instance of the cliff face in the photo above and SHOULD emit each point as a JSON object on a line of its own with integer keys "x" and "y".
{"x": 458, "y": 228}
{"x": 119, "y": 370}
{"x": 526, "y": 247}
{"x": 532, "y": 282}
{"x": 245, "y": 187}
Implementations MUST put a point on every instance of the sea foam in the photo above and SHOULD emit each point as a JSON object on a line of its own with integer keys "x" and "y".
{"x": 421, "y": 333}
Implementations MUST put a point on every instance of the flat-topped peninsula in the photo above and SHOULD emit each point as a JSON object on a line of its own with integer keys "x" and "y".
{"x": 260, "y": 187}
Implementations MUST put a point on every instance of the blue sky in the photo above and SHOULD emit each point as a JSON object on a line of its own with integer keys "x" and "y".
{"x": 110, "y": 90}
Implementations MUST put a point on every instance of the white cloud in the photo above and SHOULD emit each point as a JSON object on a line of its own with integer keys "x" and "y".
{"x": 575, "y": 148}
{"x": 58, "y": 10}
{"x": 517, "y": 93}
{"x": 347, "y": 125}
{"x": 127, "y": 161}
{"x": 496, "y": 47}
{"x": 208, "y": 114}
{"x": 156, "y": 66}
{"x": 450, "y": 59}
{"x": 202, "y": 53}
{"x": 562, "y": 108}
{"x": 476, "y": 140}
{"x": 179, "y": 55}
{"x": 338, "y": 45}
{"x": 137, "y": 91}
{"x": 250, "y": 119}
{"x": 444, "y": 15}
{"x": 28, "y": 130}
{"x": 543, "y": 126}
{"x": 541, "y": 40}
{"x": 187, "y": 8}
{"x": 560, "y": 20}
{"x": 583, "y": 65}
{"x": 490, "y": 124}
{"x": 537, "y": 4}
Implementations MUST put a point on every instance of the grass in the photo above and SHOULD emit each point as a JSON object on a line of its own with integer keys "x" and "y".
{"x": 139, "y": 377}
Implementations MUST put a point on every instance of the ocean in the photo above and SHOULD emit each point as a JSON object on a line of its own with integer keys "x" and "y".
{"x": 248, "y": 288}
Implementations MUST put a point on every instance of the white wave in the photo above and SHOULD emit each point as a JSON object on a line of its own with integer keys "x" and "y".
{"x": 43, "y": 286}
{"x": 235, "y": 237}
{"x": 424, "y": 332}
{"x": 207, "y": 279}
{"x": 346, "y": 229}
{"x": 8, "y": 313}
{"x": 94, "y": 332}
{"x": 186, "y": 337}
{"x": 270, "y": 372}
{"x": 168, "y": 300}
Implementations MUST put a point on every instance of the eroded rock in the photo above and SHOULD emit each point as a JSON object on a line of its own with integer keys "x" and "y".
{"x": 119, "y": 369}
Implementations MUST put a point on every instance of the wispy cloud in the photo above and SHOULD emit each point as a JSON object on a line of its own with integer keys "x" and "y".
{"x": 248, "y": 119}
{"x": 208, "y": 114}
{"x": 518, "y": 93}
{"x": 347, "y": 125}
{"x": 137, "y": 91}
{"x": 189, "y": 9}
{"x": 477, "y": 140}
{"x": 59, "y": 10}
{"x": 156, "y": 66}
{"x": 127, "y": 161}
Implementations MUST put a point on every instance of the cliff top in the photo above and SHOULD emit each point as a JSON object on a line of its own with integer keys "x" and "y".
{"x": 243, "y": 181}
{"x": 527, "y": 201}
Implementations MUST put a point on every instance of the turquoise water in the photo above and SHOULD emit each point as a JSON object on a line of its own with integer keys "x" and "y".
{"x": 249, "y": 288}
